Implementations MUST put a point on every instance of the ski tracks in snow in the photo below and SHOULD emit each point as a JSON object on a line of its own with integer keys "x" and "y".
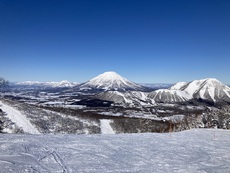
{"x": 57, "y": 158}
{"x": 33, "y": 157}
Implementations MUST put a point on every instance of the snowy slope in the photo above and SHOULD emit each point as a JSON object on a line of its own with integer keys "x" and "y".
{"x": 208, "y": 89}
{"x": 18, "y": 118}
{"x": 106, "y": 127}
{"x": 128, "y": 98}
{"x": 194, "y": 151}
{"x": 178, "y": 85}
{"x": 111, "y": 81}
{"x": 169, "y": 96}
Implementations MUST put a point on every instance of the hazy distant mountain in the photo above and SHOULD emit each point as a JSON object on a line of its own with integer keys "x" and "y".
{"x": 111, "y": 81}
{"x": 62, "y": 84}
{"x": 157, "y": 85}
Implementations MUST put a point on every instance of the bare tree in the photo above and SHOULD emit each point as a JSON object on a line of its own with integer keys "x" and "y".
{"x": 3, "y": 83}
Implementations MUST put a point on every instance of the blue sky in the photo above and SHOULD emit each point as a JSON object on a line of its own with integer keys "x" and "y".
{"x": 145, "y": 41}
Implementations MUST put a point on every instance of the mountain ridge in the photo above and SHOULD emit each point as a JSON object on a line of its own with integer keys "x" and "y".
{"x": 63, "y": 83}
{"x": 209, "y": 89}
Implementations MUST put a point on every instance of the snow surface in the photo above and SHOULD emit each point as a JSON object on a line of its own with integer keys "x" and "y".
{"x": 194, "y": 151}
{"x": 105, "y": 127}
{"x": 18, "y": 118}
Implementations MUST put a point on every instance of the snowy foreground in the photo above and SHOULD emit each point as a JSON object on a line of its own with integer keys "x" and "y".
{"x": 199, "y": 151}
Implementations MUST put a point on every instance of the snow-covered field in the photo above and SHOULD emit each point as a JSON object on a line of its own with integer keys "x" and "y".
{"x": 194, "y": 151}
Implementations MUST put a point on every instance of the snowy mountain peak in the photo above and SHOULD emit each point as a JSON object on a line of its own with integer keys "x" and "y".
{"x": 213, "y": 81}
{"x": 111, "y": 81}
{"x": 28, "y": 83}
{"x": 178, "y": 85}
{"x": 65, "y": 83}
{"x": 194, "y": 86}
{"x": 109, "y": 77}
{"x": 110, "y": 73}
{"x": 209, "y": 89}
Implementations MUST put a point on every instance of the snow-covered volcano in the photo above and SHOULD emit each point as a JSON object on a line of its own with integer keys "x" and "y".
{"x": 111, "y": 81}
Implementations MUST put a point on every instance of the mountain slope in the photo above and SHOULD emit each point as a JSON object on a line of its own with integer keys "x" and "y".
{"x": 18, "y": 118}
{"x": 209, "y": 89}
{"x": 178, "y": 85}
{"x": 169, "y": 96}
{"x": 128, "y": 98}
{"x": 111, "y": 81}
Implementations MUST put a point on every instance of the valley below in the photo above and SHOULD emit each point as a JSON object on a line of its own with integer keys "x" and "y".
{"x": 82, "y": 109}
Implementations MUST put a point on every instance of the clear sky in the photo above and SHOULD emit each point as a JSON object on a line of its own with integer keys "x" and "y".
{"x": 145, "y": 41}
